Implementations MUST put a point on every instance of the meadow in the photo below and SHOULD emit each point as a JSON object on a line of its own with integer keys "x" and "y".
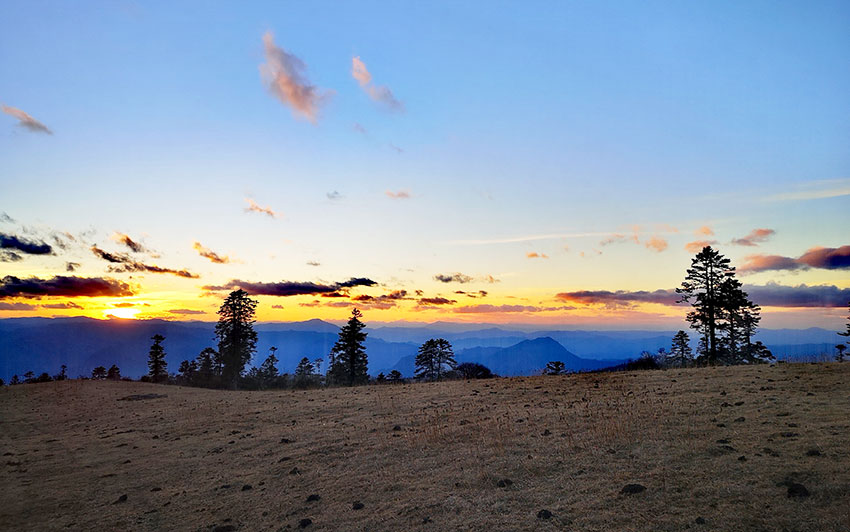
{"x": 724, "y": 448}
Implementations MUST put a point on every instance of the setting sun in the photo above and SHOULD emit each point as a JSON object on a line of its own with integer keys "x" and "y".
{"x": 123, "y": 313}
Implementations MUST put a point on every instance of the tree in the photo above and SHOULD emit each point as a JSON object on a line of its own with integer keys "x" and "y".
{"x": 304, "y": 373}
{"x": 435, "y": 355}
{"x": 156, "y": 360}
{"x": 188, "y": 372}
{"x": 62, "y": 375}
{"x": 98, "y": 373}
{"x": 473, "y": 370}
{"x": 702, "y": 289}
{"x": 680, "y": 352}
{"x": 206, "y": 367}
{"x": 347, "y": 360}
{"x": 556, "y": 367}
{"x": 29, "y": 377}
{"x": 395, "y": 377}
{"x": 2, "y": 382}
{"x": 381, "y": 378}
{"x": 237, "y": 339}
{"x": 847, "y": 332}
{"x": 840, "y": 356}
{"x": 44, "y": 377}
{"x": 268, "y": 370}
{"x": 113, "y": 373}
{"x": 15, "y": 380}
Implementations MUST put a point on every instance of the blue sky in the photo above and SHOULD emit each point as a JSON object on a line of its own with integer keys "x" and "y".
{"x": 520, "y": 120}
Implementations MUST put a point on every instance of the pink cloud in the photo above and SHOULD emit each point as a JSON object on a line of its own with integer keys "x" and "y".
{"x": 697, "y": 245}
{"x": 378, "y": 93}
{"x": 755, "y": 237}
{"x": 284, "y": 76}
{"x": 656, "y": 243}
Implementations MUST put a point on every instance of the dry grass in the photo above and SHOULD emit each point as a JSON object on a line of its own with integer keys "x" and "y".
{"x": 568, "y": 444}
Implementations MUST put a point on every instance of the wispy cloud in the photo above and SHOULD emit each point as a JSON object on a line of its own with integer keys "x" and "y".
{"x": 456, "y": 277}
{"x": 289, "y": 288}
{"x": 656, "y": 243}
{"x": 285, "y": 77}
{"x": 24, "y": 245}
{"x": 72, "y": 266}
{"x": 63, "y": 286}
{"x": 210, "y": 254}
{"x": 536, "y": 255}
{"x": 401, "y": 194}
{"x": 359, "y": 128}
{"x": 26, "y": 121}
{"x": 334, "y": 195}
{"x": 814, "y": 190}
{"x": 619, "y": 297}
{"x": 704, "y": 231}
{"x": 435, "y": 301}
{"x": 186, "y": 311}
{"x": 378, "y": 93}
{"x": 313, "y": 263}
{"x": 754, "y": 238}
{"x": 134, "y": 246}
{"x": 396, "y": 148}
{"x": 129, "y": 264}
{"x": 254, "y": 207}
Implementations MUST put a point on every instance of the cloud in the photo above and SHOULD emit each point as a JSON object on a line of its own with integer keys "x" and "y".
{"x": 395, "y": 148}
{"x": 616, "y": 238}
{"x": 430, "y": 301}
{"x": 64, "y": 286}
{"x": 279, "y": 307}
{"x": 16, "y": 306}
{"x": 704, "y": 231}
{"x": 359, "y": 128}
{"x": 186, "y": 311}
{"x": 67, "y": 305}
{"x": 10, "y": 256}
{"x": 755, "y": 237}
{"x": 313, "y": 263}
{"x": 289, "y": 288}
{"x": 253, "y": 207}
{"x": 128, "y": 264}
{"x": 487, "y": 309}
{"x": 656, "y": 243}
{"x": 5, "y": 218}
{"x": 697, "y": 245}
{"x": 401, "y": 194}
{"x": 536, "y": 255}
{"x": 777, "y": 295}
{"x": 378, "y": 93}
{"x": 814, "y": 190}
{"x": 334, "y": 195}
{"x": 24, "y": 246}
{"x": 134, "y": 246}
{"x": 381, "y": 302}
{"x": 284, "y": 76}
{"x": 619, "y": 297}
{"x": 71, "y": 266}
{"x": 453, "y": 278}
{"x": 817, "y": 257}
{"x": 26, "y": 121}
{"x": 210, "y": 254}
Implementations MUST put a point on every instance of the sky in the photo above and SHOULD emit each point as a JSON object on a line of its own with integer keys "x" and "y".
{"x": 552, "y": 163}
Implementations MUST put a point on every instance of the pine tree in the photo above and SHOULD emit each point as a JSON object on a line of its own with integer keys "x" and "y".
{"x": 63, "y": 373}
{"x": 840, "y": 356}
{"x": 680, "y": 352}
{"x": 347, "y": 360}
{"x": 237, "y": 339}
{"x": 702, "y": 289}
{"x": 156, "y": 360}
{"x": 268, "y": 369}
{"x": 435, "y": 357}
{"x": 113, "y": 373}
{"x": 29, "y": 377}
{"x": 15, "y": 380}
{"x": 98, "y": 373}
{"x": 847, "y": 332}
{"x": 381, "y": 378}
{"x": 394, "y": 376}
{"x": 555, "y": 367}
{"x": 206, "y": 367}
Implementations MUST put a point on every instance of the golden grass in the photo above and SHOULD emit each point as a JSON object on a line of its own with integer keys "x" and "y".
{"x": 568, "y": 444}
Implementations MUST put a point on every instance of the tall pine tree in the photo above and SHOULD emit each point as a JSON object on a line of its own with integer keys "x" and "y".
{"x": 156, "y": 360}
{"x": 237, "y": 339}
{"x": 434, "y": 359}
{"x": 680, "y": 352}
{"x": 348, "y": 363}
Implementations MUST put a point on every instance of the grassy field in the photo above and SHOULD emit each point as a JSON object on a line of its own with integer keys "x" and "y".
{"x": 715, "y": 449}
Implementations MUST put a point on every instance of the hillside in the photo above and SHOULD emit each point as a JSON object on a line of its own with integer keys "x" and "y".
{"x": 714, "y": 449}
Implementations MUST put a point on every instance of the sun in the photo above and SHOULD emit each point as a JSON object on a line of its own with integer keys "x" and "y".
{"x": 123, "y": 313}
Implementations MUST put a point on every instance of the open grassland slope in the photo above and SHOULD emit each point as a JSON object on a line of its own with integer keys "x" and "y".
{"x": 742, "y": 448}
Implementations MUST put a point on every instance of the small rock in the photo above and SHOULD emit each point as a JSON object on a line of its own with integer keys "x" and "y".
{"x": 294, "y": 471}
{"x": 121, "y": 499}
{"x": 547, "y": 432}
{"x": 797, "y": 490}
{"x": 544, "y": 514}
{"x": 742, "y": 458}
{"x": 357, "y": 506}
{"x": 631, "y": 489}
{"x": 504, "y": 483}
{"x": 813, "y": 452}
{"x": 313, "y": 497}
{"x": 286, "y": 440}
{"x": 304, "y": 523}
{"x": 156, "y": 489}
{"x": 699, "y": 521}
{"x": 397, "y": 427}
{"x": 740, "y": 420}
{"x": 247, "y": 487}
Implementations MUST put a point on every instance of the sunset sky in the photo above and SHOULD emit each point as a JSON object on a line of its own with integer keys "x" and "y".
{"x": 552, "y": 163}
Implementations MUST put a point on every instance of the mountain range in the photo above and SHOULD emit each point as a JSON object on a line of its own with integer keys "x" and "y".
{"x": 44, "y": 344}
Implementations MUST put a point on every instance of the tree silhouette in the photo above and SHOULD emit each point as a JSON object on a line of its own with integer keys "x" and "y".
{"x": 15, "y": 380}
{"x": 2, "y": 382}
{"x": 188, "y": 372}
{"x": 347, "y": 360}
{"x": 473, "y": 370}
{"x": 433, "y": 359}
{"x": 156, "y": 360}
{"x": 394, "y": 377}
{"x": 206, "y": 367}
{"x": 29, "y": 377}
{"x": 680, "y": 352}
{"x": 268, "y": 370}
{"x": 702, "y": 289}
{"x": 113, "y": 373}
{"x": 63, "y": 373}
{"x": 840, "y": 356}
{"x": 98, "y": 373}
{"x": 555, "y": 367}
{"x": 237, "y": 339}
{"x": 381, "y": 378}
{"x": 847, "y": 332}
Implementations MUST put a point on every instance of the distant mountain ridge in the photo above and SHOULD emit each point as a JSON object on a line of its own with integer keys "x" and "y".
{"x": 43, "y": 344}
